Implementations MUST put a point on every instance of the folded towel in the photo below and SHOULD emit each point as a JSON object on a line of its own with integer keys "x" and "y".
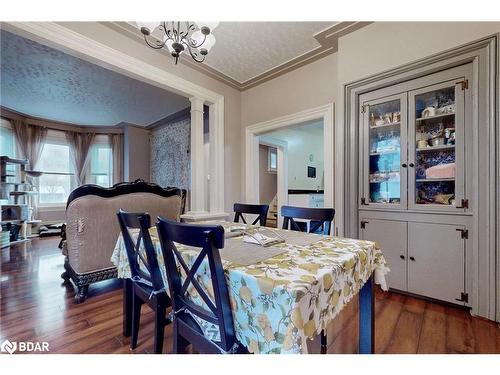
{"x": 441, "y": 171}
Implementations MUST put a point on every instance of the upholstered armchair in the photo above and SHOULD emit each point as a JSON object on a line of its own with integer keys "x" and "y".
{"x": 92, "y": 226}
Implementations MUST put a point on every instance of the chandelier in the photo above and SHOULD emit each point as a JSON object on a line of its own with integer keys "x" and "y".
{"x": 195, "y": 37}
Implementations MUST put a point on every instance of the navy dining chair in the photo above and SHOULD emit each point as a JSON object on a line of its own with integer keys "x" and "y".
{"x": 254, "y": 209}
{"x": 320, "y": 218}
{"x": 147, "y": 283}
{"x": 186, "y": 330}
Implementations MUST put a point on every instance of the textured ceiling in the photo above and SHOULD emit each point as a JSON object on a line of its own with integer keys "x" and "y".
{"x": 43, "y": 82}
{"x": 245, "y": 50}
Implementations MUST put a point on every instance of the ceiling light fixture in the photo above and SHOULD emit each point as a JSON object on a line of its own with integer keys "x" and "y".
{"x": 195, "y": 37}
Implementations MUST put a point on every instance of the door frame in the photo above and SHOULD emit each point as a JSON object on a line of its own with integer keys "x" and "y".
{"x": 253, "y": 133}
{"x": 484, "y": 241}
{"x": 281, "y": 173}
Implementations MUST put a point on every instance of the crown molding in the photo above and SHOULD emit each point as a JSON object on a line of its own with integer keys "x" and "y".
{"x": 328, "y": 40}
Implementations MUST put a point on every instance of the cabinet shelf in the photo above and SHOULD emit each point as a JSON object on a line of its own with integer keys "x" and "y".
{"x": 436, "y": 148}
{"x": 435, "y": 179}
{"x": 435, "y": 117}
{"x": 384, "y": 152}
{"x": 379, "y": 182}
{"x": 385, "y": 125}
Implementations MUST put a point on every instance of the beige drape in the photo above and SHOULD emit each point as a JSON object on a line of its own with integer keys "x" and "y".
{"x": 80, "y": 146}
{"x": 116, "y": 142}
{"x": 29, "y": 140}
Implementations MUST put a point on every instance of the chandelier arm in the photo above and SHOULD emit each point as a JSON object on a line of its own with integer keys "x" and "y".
{"x": 164, "y": 26}
{"x": 179, "y": 32}
{"x": 194, "y": 56}
{"x": 184, "y": 34}
{"x": 154, "y": 46}
{"x": 169, "y": 34}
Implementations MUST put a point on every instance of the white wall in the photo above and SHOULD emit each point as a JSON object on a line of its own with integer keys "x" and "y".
{"x": 384, "y": 45}
{"x": 303, "y": 141}
{"x": 310, "y": 86}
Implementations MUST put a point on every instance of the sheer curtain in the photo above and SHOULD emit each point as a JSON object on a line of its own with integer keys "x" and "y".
{"x": 80, "y": 146}
{"x": 116, "y": 142}
{"x": 30, "y": 140}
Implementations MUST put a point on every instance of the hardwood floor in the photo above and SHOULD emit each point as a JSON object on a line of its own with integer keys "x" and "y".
{"x": 35, "y": 305}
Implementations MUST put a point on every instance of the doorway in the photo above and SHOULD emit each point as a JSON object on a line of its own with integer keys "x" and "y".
{"x": 266, "y": 132}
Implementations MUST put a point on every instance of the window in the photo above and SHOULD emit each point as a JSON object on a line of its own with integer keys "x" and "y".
{"x": 57, "y": 180}
{"x": 7, "y": 140}
{"x": 8, "y": 147}
{"x": 272, "y": 160}
{"x": 101, "y": 162}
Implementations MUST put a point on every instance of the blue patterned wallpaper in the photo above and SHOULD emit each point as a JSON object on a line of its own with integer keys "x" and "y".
{"x": 170, "y": 160}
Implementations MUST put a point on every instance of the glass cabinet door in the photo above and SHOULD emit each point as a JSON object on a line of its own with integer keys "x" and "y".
{"x": 385, "y": 152}
{"x": 436, "y": 147}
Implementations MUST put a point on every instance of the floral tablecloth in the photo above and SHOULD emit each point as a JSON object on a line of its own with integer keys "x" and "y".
{"x": 279, "y": 303}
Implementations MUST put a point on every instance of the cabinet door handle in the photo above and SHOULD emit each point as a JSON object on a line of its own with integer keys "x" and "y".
{"x": 464, "y": 203}
{"x": 411, "y": 165}
{"x": 404, "y": 165}
{"x": 402, "y": 256}
{"x": 412, "y": 258}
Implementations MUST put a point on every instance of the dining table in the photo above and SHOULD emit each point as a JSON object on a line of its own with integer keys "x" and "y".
{"x": 284, "y": 294}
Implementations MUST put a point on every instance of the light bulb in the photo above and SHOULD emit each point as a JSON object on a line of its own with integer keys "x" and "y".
{"x": 168, "y": 43}
{"x": 209, "y": 42}
{"x": 197, "y": 37}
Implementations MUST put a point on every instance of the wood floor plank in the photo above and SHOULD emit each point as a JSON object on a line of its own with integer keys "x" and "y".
{"x": 459, "y": 332}
{"x": 407, "y": 330}
{"x": 386, "y": 318}
{"x": 487, "y": 336}
{"x": 433, "y": 335}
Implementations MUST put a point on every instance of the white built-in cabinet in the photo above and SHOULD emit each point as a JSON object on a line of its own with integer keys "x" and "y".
{"x": 415, "y": 193}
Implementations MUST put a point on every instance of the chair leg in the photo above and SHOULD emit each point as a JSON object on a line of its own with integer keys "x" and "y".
{"x": 127, "y": 307}
{"x": 136, "y": 317}
{"x": 324, "y": 342}
{"x": 180, "y": 344}
{"x": 159, "y": 329}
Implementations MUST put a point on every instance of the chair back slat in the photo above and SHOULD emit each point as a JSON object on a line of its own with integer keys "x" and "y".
{"x": 138, "y": 254}
{"x": 191, "y": 280}
{"x": 201, "y": 312}
{"x": 253, "y": 209}
{"x": 210, "y": 238}
{"x": 319, "y": 217}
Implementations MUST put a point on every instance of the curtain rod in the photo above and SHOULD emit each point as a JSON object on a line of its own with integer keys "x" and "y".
{"x": 10, "y": 114}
